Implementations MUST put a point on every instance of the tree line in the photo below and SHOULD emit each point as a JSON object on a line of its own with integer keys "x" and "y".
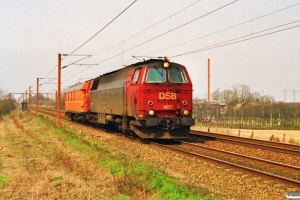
{"x": 239, "y": 107}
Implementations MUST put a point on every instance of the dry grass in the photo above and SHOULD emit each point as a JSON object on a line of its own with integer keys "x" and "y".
{"x": 274, "y": 139}
{"x": 44, "y": 162}
{"x": 41, "y": 167}
{"x": 293, "y": 141}
{"x": 17, "y": 122}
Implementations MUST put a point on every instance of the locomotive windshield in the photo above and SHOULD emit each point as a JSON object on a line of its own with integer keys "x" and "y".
{"x": 176, "y": 75}
{"x": 158, "y": 75}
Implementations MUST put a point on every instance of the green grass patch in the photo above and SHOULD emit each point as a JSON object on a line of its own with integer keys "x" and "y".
{"x": 56, "y": 178}
{"x": 128, "y": 176}
{"x": 3, "y": 179}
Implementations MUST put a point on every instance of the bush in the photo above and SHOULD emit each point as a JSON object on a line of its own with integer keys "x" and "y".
{"x": 6, "y": 106}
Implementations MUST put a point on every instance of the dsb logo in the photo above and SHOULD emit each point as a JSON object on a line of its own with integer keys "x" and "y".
{"x": 167, "y": 95}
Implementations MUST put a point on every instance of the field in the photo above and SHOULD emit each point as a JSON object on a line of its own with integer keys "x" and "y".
{"x": 40, "y": 160}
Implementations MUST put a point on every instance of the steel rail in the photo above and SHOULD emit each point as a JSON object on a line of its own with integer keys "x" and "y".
{"x": 274, "y": 146}
{"x": 244, "y": 169}
{"x": 254, "y": 159}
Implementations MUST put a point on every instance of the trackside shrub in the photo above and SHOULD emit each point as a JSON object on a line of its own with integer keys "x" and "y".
{"x": 6, "y": 106}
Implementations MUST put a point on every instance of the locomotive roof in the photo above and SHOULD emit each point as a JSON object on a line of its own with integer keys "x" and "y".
{"x": 136, "y": 64}
{"x": 147, "y": 61}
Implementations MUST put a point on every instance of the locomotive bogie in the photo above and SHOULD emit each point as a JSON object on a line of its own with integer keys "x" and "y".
{"x": 157, "y": 133}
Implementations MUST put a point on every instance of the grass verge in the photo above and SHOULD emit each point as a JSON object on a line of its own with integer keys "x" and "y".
{"x": 130, "y": 179}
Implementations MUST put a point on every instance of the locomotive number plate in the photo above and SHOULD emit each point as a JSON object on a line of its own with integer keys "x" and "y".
{"x": 167, "y": 106}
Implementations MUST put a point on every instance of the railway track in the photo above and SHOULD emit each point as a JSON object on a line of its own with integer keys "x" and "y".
{"x": 261, "y": 144}
{"x": 50, "y": 112}
{"x": 242, "y": 166}
{"x": 273, "y": 171}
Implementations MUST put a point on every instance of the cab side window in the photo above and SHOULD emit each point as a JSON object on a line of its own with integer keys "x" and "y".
{"x": 136, "y": 76}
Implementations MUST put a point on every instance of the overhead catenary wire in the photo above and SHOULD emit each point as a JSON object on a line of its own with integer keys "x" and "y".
{"x": 276, "y": 27}
{"x": 68, "y": 78}
{"x": 150, "y": 27}
{"x": 215, "y": 10}
{"x": 50, "y": 71}
{"x": 225, "y": 29}
{"x": 96, "y": 33}
{"x": 76, "y": 61}
{"x": 215, "y": 46}
{"x": 76, "y": 74}
{"x": 170, "y": 31}
{"x": 52, "y": 79}
{"x": 80, "y": 64}
{"x": 104, "y": 27}
{"x": 143, "y": 31}
{"x": 229, "y": 43}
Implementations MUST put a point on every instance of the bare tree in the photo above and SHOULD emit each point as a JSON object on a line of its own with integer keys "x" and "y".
{"x": 216, "y": 95}
{"x": 245, "y": 94}
{"x": 235, "y": 94}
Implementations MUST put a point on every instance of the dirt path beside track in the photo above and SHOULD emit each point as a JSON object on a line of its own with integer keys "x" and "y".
{"x": 288, "y": 136}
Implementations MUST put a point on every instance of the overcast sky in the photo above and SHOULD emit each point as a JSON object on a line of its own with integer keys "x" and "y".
{"x": 33, "y": 32}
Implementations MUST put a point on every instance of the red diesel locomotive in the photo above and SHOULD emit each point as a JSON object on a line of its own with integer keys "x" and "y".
{"x": 153, "y": 99}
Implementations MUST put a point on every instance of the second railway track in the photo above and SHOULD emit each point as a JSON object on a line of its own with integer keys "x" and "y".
{"x": 262, "y": 144}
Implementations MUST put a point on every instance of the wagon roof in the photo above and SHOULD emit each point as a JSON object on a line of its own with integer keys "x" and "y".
{"x": 77, "y": 86}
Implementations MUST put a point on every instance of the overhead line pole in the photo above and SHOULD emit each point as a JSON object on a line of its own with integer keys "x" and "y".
{"x": 59, "y": 68}
{"x": 208, "y": 83}
{"x": 37, "y": 96}
{"x": 29, "y": 98}
{"x": 293, "y": 91}
{"x": 58, "y": 89}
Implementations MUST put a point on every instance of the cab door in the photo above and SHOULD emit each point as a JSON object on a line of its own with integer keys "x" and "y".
{"x": 132, "y": 92}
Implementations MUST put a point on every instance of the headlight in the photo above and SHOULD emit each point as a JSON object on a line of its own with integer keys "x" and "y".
{"x": 151, "y": 112}
{"x": 185, "y": 112}
{"x": 166, "y": 63}
{"x": 150, "y": 103}
{"x": 184, "y": 103}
